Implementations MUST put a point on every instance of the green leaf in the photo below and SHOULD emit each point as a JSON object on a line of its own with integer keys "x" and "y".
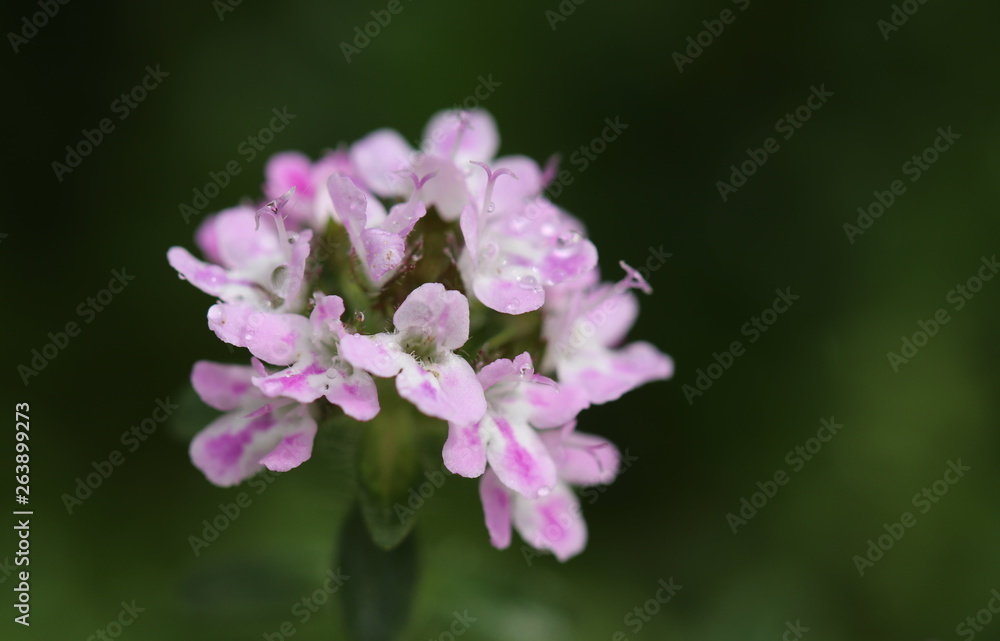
{"x": 379, "y": 591}
{"x": 388, "y": 467}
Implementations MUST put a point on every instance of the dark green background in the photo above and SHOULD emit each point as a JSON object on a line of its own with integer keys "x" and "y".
{"x": 654, "y": 186}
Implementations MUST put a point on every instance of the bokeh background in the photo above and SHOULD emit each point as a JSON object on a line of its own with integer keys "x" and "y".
{"x": 654, "y": 187}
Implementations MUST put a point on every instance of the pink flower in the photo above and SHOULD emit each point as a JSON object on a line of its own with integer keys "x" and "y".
{"x": 430, "y": 324}
{"x": 518, "y": 402}
{"x": 554, "y": 521}
{"x": 585, "y": 324}
{"x": 263, "y": 268}
{"x": 252, "y": 434}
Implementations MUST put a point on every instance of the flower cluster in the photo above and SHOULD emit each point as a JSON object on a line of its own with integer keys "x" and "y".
{"x": 379, "y": 261}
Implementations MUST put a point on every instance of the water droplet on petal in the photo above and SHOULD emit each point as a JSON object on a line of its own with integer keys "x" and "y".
{"x": 488, "y": 251}
{"x": 490, "y": 207}
{"x": 544, "y": 492}
{"x": 528, "y": 282}
{"x": 182, "y": 276}
{"x": 569, "y": 238}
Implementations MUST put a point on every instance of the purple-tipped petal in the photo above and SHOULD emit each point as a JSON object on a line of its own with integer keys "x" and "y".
{"x": 553, "y": 522}
{"x": 463, "y": 452}
{"x": 356, "y": 395}
{"x": 606, "y": 375}
{"x": 224, "y": 387}
{"x": 496, "y": 501}
{"x": 518, "y": 456}
{"x": 231, "y": 448}
{"x": 582, "y": 459}
{"x": 293, "y": 450}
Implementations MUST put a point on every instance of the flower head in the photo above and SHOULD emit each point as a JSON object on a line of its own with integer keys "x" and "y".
{"x": 446, "y": 269}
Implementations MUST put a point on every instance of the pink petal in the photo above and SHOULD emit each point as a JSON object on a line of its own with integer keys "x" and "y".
{"x": 211, "y": 279}
{"x": 553, "y": 522}
{"x": 518, "y": 456}
{"x": 224, "y": 387}
{"x": 230, "y": 449}
{"x": 280, "y": 339}
{"x": 293, "y": 450}
{"x": 606, "y": 375}
{"x": 446, "y": 389}
{"x": 463, "y": 452}
{"x": 496, "y": 508}
{"x": 431, "y": 311}
{"x": 504, "y": 294}
{"x": 286, "y": 170}
{"x": 583, "y": 459}
{"x": 479, "y": 140}
{"x": 383, "y": 250}
{"x": 378, "y": 157}
{"x": 356, "y": 395}
{"x": 232, "y": 238}
{"x": 377, "y": 354}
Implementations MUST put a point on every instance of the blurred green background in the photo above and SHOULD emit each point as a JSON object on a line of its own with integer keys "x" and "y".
{"x": 655, "y": 186}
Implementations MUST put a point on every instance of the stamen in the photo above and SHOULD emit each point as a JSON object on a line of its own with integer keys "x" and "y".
{"x": 273, "y": 209}
{"x": 551, "y": 169}
{"x": 632, "y": 280}
{"x": 491, "y": 178}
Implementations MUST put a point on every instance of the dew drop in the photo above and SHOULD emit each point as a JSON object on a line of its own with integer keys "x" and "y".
{"x": 544, "y": 492}
{"x": 528, "y": 282}
{"x": 489, "y": 251}
{"x": 182, "y": 276}
{"x": 490, "y": 207}
{"x": 569, "y": 238}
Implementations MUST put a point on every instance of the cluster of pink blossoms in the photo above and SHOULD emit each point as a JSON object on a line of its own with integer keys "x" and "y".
{"x": 441, "y": 240}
